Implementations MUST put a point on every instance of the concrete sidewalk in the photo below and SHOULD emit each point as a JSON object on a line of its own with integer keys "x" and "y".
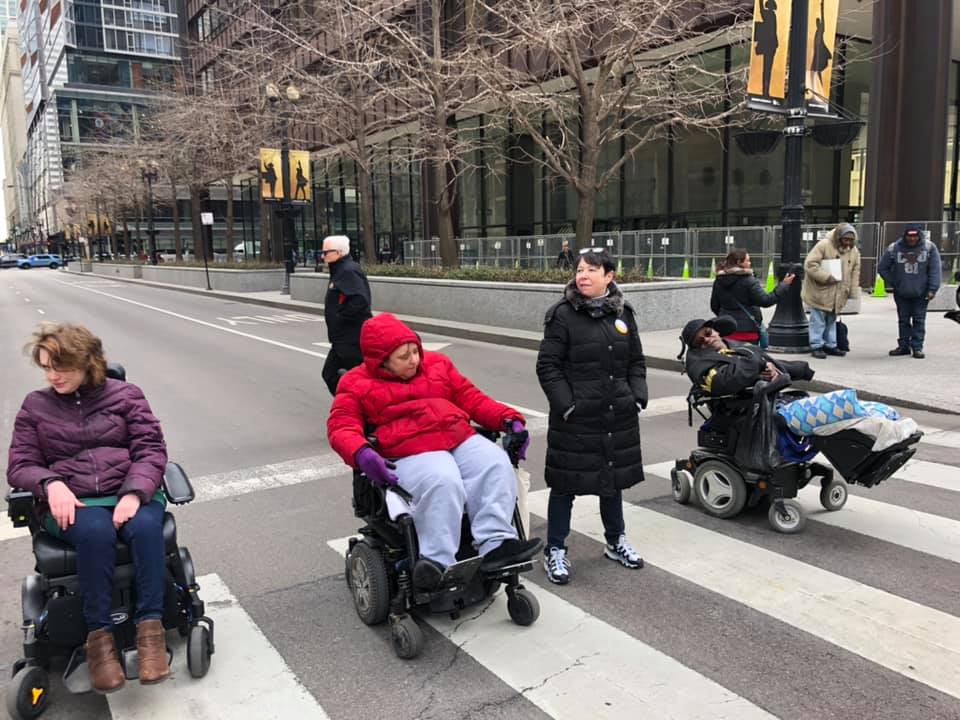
{"x": 929, "y": 384}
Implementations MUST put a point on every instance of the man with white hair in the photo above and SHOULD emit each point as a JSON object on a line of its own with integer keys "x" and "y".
{"x": 346, "y": 308}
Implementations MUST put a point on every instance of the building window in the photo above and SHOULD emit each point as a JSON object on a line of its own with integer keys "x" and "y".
{"x": 92, "y": 70}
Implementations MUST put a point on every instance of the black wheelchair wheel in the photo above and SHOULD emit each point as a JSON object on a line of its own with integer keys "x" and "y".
{"x": 833, "y": 496}
{"x": 27, "y": 693}
{"x": 407, "y": 637}
{"x": 787, "y": 519}
{"x": 682, "y": 482}
{"x": 369, "y": 584}
{"x": 198, "y": 651}
{"x": 523, "y": 607}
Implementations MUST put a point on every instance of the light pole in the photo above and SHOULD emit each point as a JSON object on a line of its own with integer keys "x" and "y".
{"x": 287, "y": 208}
{"x": 149, "y": 171}
{"x": 789, "y": 329}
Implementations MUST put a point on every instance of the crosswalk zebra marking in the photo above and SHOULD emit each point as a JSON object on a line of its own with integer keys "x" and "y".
{"x": 944, "y": 438}
{"x": 916, "y": 641}
{"x": 248, "y": 678}
{"x": 570, "y": 664}
{"x": 933, "y": 474}
{"x": 924, "y": 532}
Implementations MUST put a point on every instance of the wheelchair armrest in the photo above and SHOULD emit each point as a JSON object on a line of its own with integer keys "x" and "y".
{"x": 491, "y": 435}
{"x": 20, "y": 507}
{"x": 176, "y": 485}
{"x": 771, "y": 388}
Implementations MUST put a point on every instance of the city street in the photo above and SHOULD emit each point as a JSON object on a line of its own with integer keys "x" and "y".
{"x": 857, "y": 617}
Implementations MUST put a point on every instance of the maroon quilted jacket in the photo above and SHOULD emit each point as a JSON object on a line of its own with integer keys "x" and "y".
{"x": 100, "y": 440}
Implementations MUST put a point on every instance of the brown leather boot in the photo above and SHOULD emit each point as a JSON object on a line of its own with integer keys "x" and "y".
{"x": 106, "y": 676}
{"x": 152, "y": 652}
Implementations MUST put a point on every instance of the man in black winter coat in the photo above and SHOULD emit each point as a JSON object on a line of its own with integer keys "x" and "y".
{"x": 719, "y": 367}
{"x": 345, "y": 309}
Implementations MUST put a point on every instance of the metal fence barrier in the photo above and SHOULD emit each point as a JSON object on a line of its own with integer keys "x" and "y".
{"x": 693, "y": 252}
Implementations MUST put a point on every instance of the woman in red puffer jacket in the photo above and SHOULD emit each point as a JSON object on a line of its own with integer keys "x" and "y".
{"x": 421, "y": 407}
{"x": 90, "y": 449}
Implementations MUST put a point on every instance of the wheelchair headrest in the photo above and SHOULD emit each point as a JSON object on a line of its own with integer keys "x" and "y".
{"x": 116, "y": 371}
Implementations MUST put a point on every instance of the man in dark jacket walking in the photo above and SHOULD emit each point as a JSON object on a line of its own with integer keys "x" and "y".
{"x": 345, "y": 309}
{"x": 911, "y": 269}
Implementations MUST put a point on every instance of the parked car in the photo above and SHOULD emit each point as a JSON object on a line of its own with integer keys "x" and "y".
{"x": 50, "y": 261}
{"x": 8, "y": 261}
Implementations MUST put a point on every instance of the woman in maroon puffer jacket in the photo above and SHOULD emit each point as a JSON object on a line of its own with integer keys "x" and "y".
{"x": 420, "y": 407}
{"x": 91, "y": 450}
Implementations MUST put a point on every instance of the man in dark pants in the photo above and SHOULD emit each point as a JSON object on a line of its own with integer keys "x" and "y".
{"x": 346, "y": 308}
{"x": 911, "y": 269}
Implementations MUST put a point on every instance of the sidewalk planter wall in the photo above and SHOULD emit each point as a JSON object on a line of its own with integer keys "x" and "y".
{"x": 124, "y": 271}
{"x": 226, "y": 280}
{"x": 518, "y": 306}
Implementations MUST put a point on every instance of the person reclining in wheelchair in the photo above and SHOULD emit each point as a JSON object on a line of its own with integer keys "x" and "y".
{"x": 92, "y": 453}
{"x": 420, "y": 408}
{"x": 721, "y": 367}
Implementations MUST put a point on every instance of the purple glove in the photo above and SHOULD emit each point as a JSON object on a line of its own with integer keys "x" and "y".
{"x": 517, "y": 440}
{"x": 376, "y": 467}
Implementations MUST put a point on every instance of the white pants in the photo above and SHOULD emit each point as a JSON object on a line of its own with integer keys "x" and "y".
{"x": 476, "y": 474}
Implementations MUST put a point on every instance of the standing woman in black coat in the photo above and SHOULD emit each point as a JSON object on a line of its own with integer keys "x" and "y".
{"x": 737, "y": 292}
{"x": 592, "y": 370}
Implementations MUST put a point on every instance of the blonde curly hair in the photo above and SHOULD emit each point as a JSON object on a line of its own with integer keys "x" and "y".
{"x": 70, "y": 347}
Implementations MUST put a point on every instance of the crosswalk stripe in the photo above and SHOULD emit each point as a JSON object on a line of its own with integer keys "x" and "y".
{"x": 248, "y": 678}
{"x": 664, "y": 406}
{"x": 570, "y": 664}
{"x": 924, "y": 532}
{"x": 9, "y": 532}
{"x": 930, "y": 473}
{"x": 945, "y": 438}
{"x": 430, "y": 346}
{"x": 919, "y": 642}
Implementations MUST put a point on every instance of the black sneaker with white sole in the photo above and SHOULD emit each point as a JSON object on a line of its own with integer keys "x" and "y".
{"x": 624, "y": 553}
{"x": 556, "y": 565}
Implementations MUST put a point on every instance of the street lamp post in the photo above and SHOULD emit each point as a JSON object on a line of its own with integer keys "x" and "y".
{"x": 789, "y": 328}
{"x": 149, "y": 171}
{"x": 287, "y": 209}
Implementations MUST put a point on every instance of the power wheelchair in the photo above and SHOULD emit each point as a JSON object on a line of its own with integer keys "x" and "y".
{"x": 53, "y": 623}
{"x": 379, "y": 568}
{"x": 724, "y": 488}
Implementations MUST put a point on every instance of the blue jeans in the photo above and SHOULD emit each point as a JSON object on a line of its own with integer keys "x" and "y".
{"x": 95, "y": 538}
{"x": 560, "y": 508}
{"x": 912, "y": 318}
{"x": 823, "y": 329}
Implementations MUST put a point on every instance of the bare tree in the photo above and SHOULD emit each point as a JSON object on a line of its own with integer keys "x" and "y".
{"x": 580, "y": 77}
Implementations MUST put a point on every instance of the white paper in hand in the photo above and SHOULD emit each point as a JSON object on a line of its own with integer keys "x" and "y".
{"x": 834, "y": 267}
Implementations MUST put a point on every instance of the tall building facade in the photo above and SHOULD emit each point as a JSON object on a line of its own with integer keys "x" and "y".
{"x": 88, "y": 69}
{"x": 694, "y": 178}
{"x": 13, "y": 133}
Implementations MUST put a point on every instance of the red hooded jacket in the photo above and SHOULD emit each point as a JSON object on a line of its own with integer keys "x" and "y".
{"x": 431, "y": 411}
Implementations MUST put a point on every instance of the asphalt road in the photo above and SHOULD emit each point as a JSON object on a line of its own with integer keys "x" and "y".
{"x": 859, "y": 617}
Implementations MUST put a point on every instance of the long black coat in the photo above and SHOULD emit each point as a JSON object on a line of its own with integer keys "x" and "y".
{"x": 592, "y": 370}
{"x": 347, "y": 304}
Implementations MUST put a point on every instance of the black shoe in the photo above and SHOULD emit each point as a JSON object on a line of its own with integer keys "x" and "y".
{"x": 427, "y": 574}
{"x": 918, "y": 354}
{"x": 899, "y": 351}
{"x": 819, "y": 354}
{"x": 511, "y": 552}
{"x": 836, "y": 352}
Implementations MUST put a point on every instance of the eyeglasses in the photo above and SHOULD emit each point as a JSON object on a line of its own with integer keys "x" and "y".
{"x": 324, "y": 252}
{"x": 597, "y": 250}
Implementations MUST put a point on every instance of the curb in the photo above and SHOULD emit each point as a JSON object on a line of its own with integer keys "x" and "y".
{"x": 499, "y": 337}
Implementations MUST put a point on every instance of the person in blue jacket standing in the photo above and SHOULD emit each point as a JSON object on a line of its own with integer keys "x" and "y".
{"x": 911, "y": 269}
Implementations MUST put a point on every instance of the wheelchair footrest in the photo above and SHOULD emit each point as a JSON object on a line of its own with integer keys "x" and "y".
{"x": 130, "y": 661}
{"x": 460, "y": 573}
{"x": 76, "y": 675}
{"x": 508, "y": 570}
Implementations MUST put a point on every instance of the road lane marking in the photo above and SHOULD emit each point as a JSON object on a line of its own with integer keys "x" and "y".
{"x": 26, "y": 299}
{"x": 933, "y": 474}
{"x": 572, "y": 665}
{"x": 920, "y": 531}
{"x": 267, "y": 341}
{"x": 41, "y": 311}
{"x": 266, "y": 477}
{"x": 248, "y": 678}
{"x": 909, "y": 638}
{"x": 945, "y": 438}
{"x": 9, "y": 532}
{"x": 270, "y": 319}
